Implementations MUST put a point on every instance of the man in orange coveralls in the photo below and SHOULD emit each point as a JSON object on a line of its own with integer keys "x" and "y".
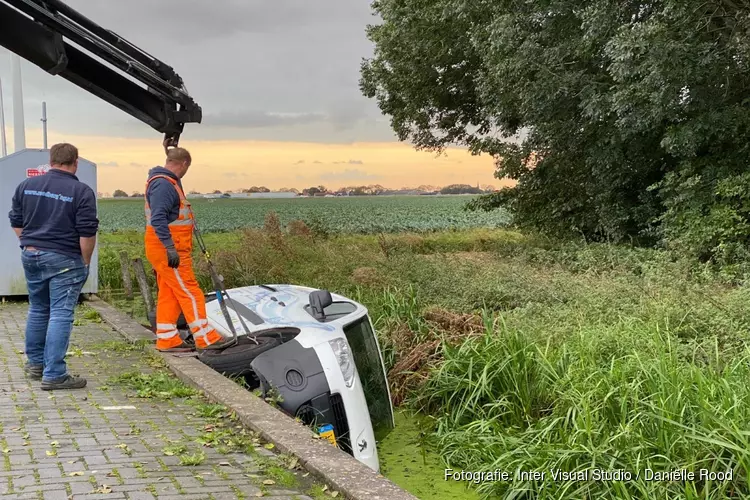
{"x": 169, "y": 245}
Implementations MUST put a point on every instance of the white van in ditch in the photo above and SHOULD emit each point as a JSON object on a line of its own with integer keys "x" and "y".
{"x": 317, "y": 351}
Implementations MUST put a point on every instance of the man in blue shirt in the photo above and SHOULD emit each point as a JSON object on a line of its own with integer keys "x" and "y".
{"x": 55, "y": 218}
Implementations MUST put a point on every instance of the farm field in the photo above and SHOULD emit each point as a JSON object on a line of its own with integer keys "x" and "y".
{"x": 364, "y": 214}
{"x": 524, "y": 353}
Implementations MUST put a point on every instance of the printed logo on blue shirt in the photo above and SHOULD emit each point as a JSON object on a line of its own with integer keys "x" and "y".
{"x": 47, "y": 194}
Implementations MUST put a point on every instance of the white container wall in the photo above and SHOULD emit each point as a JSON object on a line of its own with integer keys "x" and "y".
{"x": 14, "y": 169}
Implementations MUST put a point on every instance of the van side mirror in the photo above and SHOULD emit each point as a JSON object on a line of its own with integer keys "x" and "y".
{"x": 319, "y": 300}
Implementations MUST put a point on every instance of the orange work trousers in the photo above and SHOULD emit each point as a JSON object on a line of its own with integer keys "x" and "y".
{"x": 178, "y": 292}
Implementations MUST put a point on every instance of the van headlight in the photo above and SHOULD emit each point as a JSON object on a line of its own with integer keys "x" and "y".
{"x": 344, "y": 357}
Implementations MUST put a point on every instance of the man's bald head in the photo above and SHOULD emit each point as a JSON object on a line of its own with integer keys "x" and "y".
{"x": 178, "y": 155}
{"x": 178, "y": 161}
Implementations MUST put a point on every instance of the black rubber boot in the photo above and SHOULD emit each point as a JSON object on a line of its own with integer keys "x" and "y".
{"x": 69, "y": 382}
{"x": 184, "y": 347}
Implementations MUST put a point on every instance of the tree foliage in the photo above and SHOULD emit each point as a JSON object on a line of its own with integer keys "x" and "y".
{"x": 460, "y": 189}
{"x": 634, "y": 114}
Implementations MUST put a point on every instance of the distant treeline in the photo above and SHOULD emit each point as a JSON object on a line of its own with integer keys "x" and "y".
{"x": 372, "y": 190}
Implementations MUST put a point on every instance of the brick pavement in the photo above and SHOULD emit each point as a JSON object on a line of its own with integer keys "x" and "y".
{"x": 107, "y": 442}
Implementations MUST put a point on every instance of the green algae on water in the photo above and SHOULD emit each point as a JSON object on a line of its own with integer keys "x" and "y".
{"x": 409, "y": 462}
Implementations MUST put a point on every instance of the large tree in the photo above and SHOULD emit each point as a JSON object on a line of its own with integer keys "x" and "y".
{"x": 636, "y": 112}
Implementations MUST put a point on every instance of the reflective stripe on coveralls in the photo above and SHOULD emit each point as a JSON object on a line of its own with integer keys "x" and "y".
{"x": 166, "y": 330}
{"x": 178, "y": 288}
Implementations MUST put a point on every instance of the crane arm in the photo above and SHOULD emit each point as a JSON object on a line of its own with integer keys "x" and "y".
{"x": 43, "y": 31}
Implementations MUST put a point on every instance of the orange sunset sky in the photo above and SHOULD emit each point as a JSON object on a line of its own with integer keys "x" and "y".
{"x": 228, "y": 165}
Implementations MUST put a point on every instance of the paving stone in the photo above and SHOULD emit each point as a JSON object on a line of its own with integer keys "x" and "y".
{"x": 166, "y": 489}
{"x": 26, "y": 496}
{"x": 23, "y": 481}
{"x": 226, "y": 496}
{"x": 88, "y": 435}
{"x": 188, "y": 482}
{"x": 84, "y": 442}
{"x": 63, "y": 480}
{"x": 47, "y": 487}
{"x": 82, "y": 487}
{"x": 140, "y": 495}
{"x": 49, "y": 473}
{"x": 55, "y": 495}
{"x": 185, "y": 497}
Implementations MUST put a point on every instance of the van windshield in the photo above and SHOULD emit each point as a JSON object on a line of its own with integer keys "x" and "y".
{"x": 369, "y": 365}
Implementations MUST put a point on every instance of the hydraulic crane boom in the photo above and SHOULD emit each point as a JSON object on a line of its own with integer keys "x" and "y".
{"x": 36, "y": 30}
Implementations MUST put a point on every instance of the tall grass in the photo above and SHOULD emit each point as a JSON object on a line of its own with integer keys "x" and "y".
{"x": 622, "y": 398}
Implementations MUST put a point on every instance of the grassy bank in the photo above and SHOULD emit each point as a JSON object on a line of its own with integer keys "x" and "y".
{"x": 533, "y": 355}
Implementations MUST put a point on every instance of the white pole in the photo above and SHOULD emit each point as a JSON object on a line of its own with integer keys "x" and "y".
{"x": 19, "y": 127}
{"x": 44, "y": 122}
{"x": 3, "y": 144}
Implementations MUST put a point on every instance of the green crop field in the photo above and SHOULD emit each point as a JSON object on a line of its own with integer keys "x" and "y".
{"x": 369, "y": 214}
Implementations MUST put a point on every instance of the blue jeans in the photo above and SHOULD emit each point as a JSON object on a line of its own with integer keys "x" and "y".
{"x": 54, "y": 282}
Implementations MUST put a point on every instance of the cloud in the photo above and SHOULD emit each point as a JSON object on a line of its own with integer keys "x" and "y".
{"x": 196, "y": 21}
{"x": 350, "y": 174}
{"x": 318, "y": 162}
{"x": 234, "y": 175}
{"x": 300, "y": 162}
{"x": 350, "y": 162}
{"x": 108, "y": 164}
{"x": 260, "y": 119}
{"x": 260, "y": 70}
{"x": 138, "y": 165}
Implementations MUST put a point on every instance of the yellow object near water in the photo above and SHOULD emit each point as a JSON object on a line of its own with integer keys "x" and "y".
{"x": 326, "y": 432}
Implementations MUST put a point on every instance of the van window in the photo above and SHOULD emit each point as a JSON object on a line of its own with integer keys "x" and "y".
{"x": 367, "y": 359}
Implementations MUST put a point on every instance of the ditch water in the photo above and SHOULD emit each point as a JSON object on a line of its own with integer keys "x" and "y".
{"x": 411, "y": 464}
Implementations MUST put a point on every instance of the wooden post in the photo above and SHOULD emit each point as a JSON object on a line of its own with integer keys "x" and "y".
{"x": 140, "y": 275}
{"x": 126, "y": 281}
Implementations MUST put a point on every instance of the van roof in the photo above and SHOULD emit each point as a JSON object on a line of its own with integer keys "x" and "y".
{"x": 279, "y": 305}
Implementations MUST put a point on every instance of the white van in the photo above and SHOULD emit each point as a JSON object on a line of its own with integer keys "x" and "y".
{"x": 317, "y": 352}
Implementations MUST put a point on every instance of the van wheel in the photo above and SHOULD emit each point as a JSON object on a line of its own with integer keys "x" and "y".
{"x": 235, "y": 361}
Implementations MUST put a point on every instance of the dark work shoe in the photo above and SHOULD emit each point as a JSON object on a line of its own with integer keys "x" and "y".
{"x": 218, "y": 345}
{"x": 69, "y": 382}
{"x": 34, "y": 372}
{"x": 184, "y": 347}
